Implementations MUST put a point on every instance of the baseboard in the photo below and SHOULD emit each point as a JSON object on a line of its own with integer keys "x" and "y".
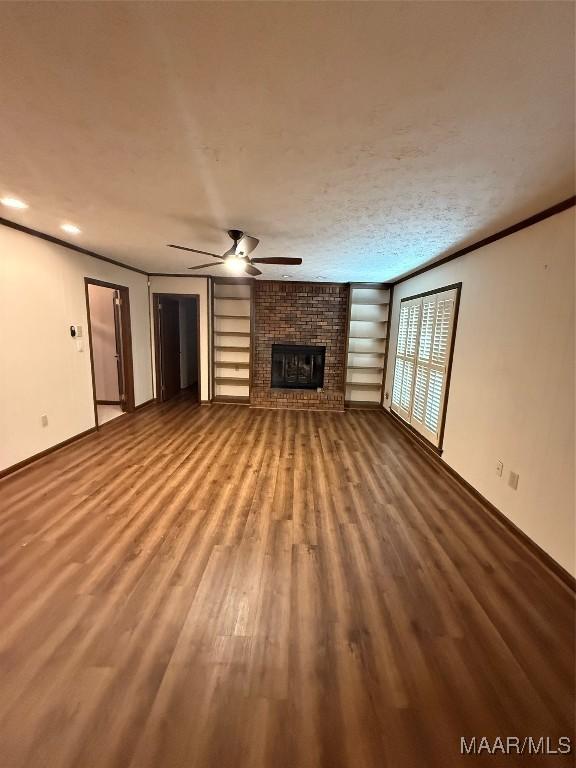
{"x": 361, "y": 404}
{"x": 230, "y": 399}
{"x": 43, "y": 454}
{"x": 546, "y": 560}
{"x": 108, "y": 402}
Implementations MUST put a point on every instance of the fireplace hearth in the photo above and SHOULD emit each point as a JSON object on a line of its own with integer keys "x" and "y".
{"x": 297, "y": 366}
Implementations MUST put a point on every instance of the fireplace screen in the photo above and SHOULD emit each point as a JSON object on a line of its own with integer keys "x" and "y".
{"x": 297, "y": 366}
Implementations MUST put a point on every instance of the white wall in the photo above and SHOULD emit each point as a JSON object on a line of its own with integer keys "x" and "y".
{"x": 42, "y": 371}
{"x": 512, "y": 387}
{"x": 197, "y": 286}
{"x": 103, "y": 330}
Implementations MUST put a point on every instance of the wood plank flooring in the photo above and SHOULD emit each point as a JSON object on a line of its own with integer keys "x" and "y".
{"x": 223, "y": 586}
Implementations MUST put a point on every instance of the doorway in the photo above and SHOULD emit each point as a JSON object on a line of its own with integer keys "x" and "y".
{"x": 177, "y": 345}
{"x": 108, "y": 308}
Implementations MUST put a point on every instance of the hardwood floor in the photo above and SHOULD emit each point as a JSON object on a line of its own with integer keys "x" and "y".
{"x": 223, "y": 586}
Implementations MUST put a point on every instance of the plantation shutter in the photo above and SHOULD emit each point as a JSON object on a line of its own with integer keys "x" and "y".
{"x": 422, "y": 360}
{"x": 405, "y": 358}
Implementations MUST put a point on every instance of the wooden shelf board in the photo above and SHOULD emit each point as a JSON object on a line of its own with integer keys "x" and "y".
{"x": 232, "y": 333}
{"x": 369, "y": 338}
{"x": 232, "y": 349}
{"x": 375, "y": 368}
{"x": 363, "y": 385}
{"x": 232, "y": 298}
{"x": 232, "y": 380}
{"x": 364, "y": 352}
{"x": 233, "y": 317}
{"x": 369, "y": 303}
{"x": 230, "y": 364}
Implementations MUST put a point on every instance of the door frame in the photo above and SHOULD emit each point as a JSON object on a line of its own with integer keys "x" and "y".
{"x": 126, "y": 343}
{"x": 119, "y": 351}
{"x": 157, "y": 354}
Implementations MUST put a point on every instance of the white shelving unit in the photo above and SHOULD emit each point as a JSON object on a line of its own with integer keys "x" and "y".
{"x": 232, "y": 328}
{"x": 367, "y": 339}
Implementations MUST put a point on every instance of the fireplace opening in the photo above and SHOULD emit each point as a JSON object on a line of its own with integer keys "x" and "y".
{"x": 296, "y": 366}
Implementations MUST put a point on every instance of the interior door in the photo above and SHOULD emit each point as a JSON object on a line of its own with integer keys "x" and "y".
{"x": 169, "y": 325}
{"x": 119, "y": 353}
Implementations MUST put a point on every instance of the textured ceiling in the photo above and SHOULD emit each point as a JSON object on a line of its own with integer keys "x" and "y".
{"x": 367, "y": 138}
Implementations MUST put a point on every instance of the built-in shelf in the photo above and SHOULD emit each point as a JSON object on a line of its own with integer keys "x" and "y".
{"x": 367, "y": 326}
{"x": 233, "y": 388}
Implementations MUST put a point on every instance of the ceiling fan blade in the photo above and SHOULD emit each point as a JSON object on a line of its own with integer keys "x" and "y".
{"x": 278, "y": 260}
{"x": 250, "y": 270}
{"x": 229, "y": 252}
{"x": 202, "y": 266}
{"x": 194, "y": 250}
{"x": 246, "y": 245}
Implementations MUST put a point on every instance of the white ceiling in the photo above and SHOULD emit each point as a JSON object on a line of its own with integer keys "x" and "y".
{"x": 367, "y": 138}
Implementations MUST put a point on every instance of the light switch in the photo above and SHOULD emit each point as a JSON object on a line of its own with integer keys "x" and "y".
{"x": 513, "y": 480}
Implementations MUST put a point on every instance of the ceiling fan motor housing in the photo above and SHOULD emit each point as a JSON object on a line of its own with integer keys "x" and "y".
{"x": 236, "y": 234}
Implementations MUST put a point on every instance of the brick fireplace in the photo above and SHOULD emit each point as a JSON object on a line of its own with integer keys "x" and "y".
{"x": 291, "y": 314}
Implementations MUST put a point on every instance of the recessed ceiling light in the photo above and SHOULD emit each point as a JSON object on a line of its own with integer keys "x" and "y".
{"x": 13, "y": 202}
{"x": 72, "y": 229}
{"x": 320, "y": 277}
{"x": 285, "y": 276}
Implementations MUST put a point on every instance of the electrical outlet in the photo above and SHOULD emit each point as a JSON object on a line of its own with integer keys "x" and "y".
{"x": 513, "y": 480}
{"x": 44, "y": 420}
{"x": 386, "y": 396}
{"x": 499, "y": 468}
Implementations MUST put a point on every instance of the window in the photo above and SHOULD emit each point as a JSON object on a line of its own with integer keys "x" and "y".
{"x": 423, "y": 357}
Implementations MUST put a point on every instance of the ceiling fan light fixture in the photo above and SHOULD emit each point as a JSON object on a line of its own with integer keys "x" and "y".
{"x": 235, "y": 263}
{"x": 238, "y": 258}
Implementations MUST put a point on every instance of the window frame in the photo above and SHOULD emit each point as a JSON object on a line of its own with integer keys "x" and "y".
{"x": 457, "y": 287}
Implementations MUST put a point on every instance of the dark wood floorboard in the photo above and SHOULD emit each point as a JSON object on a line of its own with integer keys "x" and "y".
{"x": 214, "y": 586}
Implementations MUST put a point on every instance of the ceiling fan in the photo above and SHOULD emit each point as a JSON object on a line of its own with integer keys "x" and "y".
{"x": 237, "y": 257}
